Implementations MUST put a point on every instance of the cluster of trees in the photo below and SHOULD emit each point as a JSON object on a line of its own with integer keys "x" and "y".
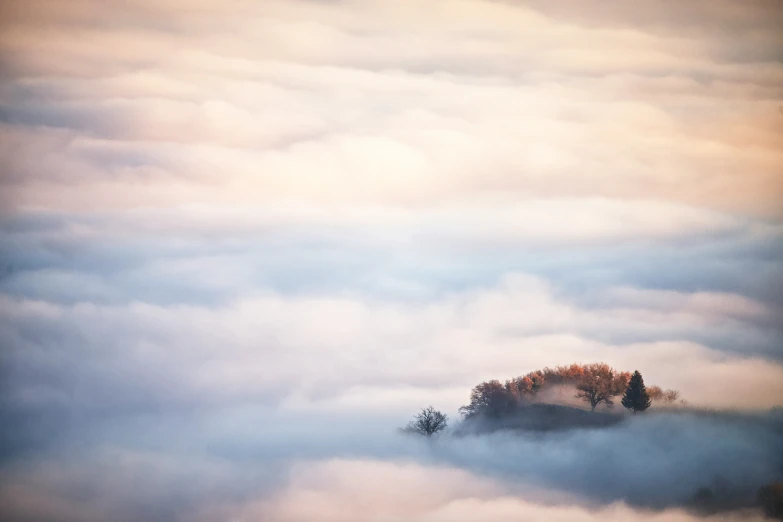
{"x": 596, "y": 383}
{"x": 659, "y": 395}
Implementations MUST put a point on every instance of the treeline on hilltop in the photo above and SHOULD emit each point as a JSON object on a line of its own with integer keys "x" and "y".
{"x": 595, "y": 383}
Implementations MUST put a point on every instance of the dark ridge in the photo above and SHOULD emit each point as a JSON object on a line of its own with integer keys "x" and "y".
{"x": 539, "y": 417}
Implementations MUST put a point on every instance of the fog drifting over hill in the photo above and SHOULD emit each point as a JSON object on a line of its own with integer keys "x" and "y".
{"x": 242, "y": 242}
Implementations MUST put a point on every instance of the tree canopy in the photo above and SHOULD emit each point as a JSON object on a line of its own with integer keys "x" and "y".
{"x": 600, "y": 383}
{"x": 495, "y": 399}
{"x": 596, "y": 383}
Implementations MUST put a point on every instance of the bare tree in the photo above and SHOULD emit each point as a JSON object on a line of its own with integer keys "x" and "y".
{"x": 665, "y": 396}
{"x": 671, "y": 396}
{"x": 428, "y": 422}
{"x": 600, "y": 383}
{"x": 655, "y": 393}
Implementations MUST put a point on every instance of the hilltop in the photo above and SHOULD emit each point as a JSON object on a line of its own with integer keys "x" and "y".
{"x": 539, "y": 417}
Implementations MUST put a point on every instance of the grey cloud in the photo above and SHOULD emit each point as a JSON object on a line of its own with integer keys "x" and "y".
{"x": 138, "y": 356}
{"x": 657, "y": 461}
{"x": 115, "y": 254}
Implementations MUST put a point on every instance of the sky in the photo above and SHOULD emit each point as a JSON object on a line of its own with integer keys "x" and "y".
{"x": 242, "y": 241}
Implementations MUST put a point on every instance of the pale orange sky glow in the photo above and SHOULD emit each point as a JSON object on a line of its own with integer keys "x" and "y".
{"x": 229, "y": 223}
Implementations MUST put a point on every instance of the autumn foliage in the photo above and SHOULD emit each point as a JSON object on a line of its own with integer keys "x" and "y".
{"x": 596, "y": 383}
{"x": 665, "y": 396}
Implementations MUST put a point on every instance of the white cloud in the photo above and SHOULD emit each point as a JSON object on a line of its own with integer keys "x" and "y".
{"x": 319, "y": 349}
{"x": 439, "y": 104}
{"x": 346, "y": 491}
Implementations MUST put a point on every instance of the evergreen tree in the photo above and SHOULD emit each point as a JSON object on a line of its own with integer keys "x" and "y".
{"x": 636, "y": 397}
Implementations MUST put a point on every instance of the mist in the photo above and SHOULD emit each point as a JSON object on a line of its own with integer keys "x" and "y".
{"x": 243, "y": 243}
{"x": 243, "y": 464}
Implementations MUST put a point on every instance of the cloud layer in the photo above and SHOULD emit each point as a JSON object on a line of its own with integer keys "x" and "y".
{"x": 228, "y": 226}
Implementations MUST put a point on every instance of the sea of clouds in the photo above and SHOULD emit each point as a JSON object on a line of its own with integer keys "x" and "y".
{"x": 242, "y": 242}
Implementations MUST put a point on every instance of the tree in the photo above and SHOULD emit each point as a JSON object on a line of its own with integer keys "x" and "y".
{"x": 599, "y": 383}
{"x": 621, "y": 381}
{"x": 563, "y": 375}
{"x": 655, "y": 393}
{"x": 490, "y": 398}
{"x": 636, "y": 397}
{"x": 659, "y": 395}
{"x": 528, "y": 385}
{"x": 428, "y": 422}
{"x": 671, "y": 396}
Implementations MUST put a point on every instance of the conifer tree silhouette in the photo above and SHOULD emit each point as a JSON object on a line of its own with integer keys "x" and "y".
{"x": 636, "y": 397}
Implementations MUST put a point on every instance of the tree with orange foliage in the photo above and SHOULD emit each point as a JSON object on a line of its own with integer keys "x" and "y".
{"x": 600, "y": 383}
{"x": 655, "y": 393}
{"x": 596, "y": 383}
